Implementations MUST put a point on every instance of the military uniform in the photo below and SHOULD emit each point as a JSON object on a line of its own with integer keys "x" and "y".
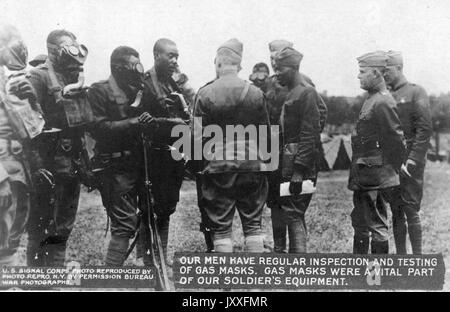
{"x": 118, "y": 151}
{"x": 378, "y": 150}
{"x": 52, "y": 216}
{"x": 276, "y": 96}
{"x": 13, "y": 218}
{"x": 231, "y": 184}
{"x": 166, "y": 174}
{"x": 415, "y": 117}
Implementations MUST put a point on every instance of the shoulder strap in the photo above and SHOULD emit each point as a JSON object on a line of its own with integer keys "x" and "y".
{"x": 154, "y": 79}
{"x": 54, "y": 86}
{"x": 244, "y": 92}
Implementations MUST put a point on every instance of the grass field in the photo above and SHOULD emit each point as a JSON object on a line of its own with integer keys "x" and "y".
{"x": 328, "y": 220}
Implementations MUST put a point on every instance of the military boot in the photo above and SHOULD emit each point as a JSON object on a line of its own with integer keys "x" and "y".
{"x": 254, "y": 243}
{"x": 56, "y": 254}
{"x": 415, "y": 236}
{"x": 279, "y": 230}
{"x": 399, "y": 229}
{"x": 360, "y": 245}
{"x": 117, "y": 250}
{"x": 297, "y": 237}
{"x": 379, "y": 248}
{"x": 35, "y": 253}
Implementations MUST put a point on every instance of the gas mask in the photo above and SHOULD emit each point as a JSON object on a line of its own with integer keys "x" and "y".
{"x": 68, "y": 60}
{"x": 129, "y": 78}
{"x": 14, "y": 56}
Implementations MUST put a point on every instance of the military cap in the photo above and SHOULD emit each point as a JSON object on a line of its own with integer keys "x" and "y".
{"x": 39, "y": 59}
{"x": 373, "y": 59}
{"x": 394, "y": 58}
{"x": 234, "y": 45}
{"x": 278, "y": 45}
{"x": 288, "y": 57}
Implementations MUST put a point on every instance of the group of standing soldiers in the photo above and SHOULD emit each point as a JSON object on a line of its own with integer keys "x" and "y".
{"x": 43, "y": 165}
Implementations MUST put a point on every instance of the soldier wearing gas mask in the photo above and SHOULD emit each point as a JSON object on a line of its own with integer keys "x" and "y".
{"x": 259, "y": 76}
{"x": 59, "y": 88}
{"x": 118, "y": 124}
{"x": 20, "y": 122}
{"x": 164, "y": 100}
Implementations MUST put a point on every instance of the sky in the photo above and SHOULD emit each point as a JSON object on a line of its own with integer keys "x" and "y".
{"x": 330, "y": 34}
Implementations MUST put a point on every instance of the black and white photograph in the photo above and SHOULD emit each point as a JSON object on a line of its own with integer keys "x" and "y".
{"x": 239, "y": 146}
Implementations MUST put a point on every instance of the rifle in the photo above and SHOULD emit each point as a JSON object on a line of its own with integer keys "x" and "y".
{"x": 153, "y": 247}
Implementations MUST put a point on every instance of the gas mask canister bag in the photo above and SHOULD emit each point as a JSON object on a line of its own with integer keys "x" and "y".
{"x": 72, "y": 98}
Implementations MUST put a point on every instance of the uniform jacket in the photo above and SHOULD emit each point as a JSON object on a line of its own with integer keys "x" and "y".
{"x": 276, "y": 94}
{"x": 66, "y": 145}
{"x": 300, "y": 125}
{"x": 112, "y": 128}
{"x": 414, "y": 111}
{"x": 378, "y": 146}
{"x": 156, "y": 101}
{"x": 219, "y": 103}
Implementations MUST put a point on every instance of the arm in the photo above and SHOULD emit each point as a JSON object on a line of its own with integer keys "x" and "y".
{"x": 422, "y": 123}
{"x": 103, "y": 126}
{"x": 391, "y": 133}
{"x": 37, "y": 79}
{"x": 309, "y": 130}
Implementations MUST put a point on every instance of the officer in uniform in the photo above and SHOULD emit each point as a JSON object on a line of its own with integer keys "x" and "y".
{"x": 230, "y": 183}
{"x": 118, "y": 150}
{"x": 377, "y": 156}
{"x": 276, "y": 95}
{"x": 414, "y": 111}
{"x": 59, "y": 88}
{"x": 16, "y": 95}
{"x": 300, "y": 127}
{"x": 164, "y": 100}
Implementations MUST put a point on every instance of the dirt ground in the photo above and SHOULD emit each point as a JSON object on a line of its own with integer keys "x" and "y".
{"x": 328, "y": 220}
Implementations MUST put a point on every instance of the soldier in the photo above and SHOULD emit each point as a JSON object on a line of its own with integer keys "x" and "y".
{"x": 300, "y": 127}
{"x": 377, "y": 156}
{"x": 163, "y": 100}
{"x": 276, "y": 95}
{"x": 259, "y": 75}
{"x": 415, "y": 116}
{"x": 118, "y": 149}
{"x": 229, "y": 183}
{"x": 16, "y": 94}
{"x": 59, "y": 88}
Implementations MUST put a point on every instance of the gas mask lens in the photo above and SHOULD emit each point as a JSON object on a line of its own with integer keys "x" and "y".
{"x": 74, "y": 53}
{"x": 138, "y": 68}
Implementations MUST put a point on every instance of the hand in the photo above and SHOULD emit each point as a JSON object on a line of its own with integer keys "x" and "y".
{"x": 295, "y": 187}
{"x": 44, "y": 177}
{"x": 5, "y": 195}
{"x": 145, "y": 119}
{"x": 23, "y": 89}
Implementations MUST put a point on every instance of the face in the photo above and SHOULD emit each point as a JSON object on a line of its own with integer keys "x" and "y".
{"x": 167, "y": 59}
{"x": 392, "y": 74}
{"x": 366, "y": 77}
{"x": 67, "y": 64}
{"x": 128, "y": 78}
{"x": 284, "y": 74}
